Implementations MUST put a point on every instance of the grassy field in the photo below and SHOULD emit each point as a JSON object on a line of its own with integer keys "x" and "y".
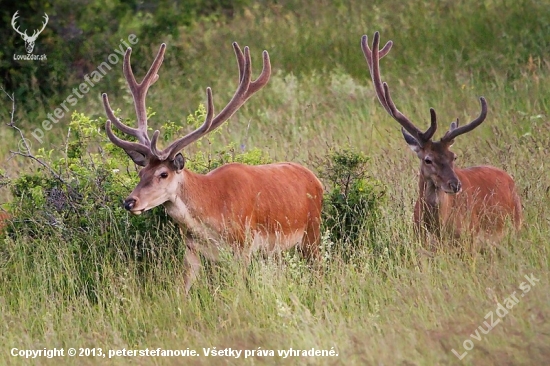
{"x": 389, "y": 304}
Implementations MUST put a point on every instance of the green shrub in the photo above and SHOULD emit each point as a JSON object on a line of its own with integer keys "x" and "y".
{"x": 352, "y": 204}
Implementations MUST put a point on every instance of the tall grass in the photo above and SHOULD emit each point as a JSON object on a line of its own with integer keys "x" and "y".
{"x": 386, "y": 306}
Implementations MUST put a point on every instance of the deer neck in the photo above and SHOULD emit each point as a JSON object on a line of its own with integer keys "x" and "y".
{"x": 193, "y": 204}
{"x": 433, "y": 201}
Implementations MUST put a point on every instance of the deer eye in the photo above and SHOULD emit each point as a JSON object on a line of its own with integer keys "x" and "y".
{"x": 455, "y": 157}
{"x": 164, "y": 175}
{"x": 428, "y": 161}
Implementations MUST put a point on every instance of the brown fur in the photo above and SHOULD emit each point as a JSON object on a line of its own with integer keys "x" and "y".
{"x": 266, "y": 207}
{"x": 487, "y": 199}
{"x": 277, "y": 198}
{"x": 4, "y": 217}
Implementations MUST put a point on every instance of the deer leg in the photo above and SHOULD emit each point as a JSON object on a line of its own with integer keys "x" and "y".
{"x": 192, "y": 261}
{"x": 311, "y": 242}
{"x": 193, "y": 264}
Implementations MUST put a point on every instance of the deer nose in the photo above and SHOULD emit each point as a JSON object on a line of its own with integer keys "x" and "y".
{"x": 455, "y": 186}
{"x": 129, "y": 203}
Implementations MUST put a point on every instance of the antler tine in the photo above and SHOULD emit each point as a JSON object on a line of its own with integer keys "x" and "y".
{"x": 383, "y": 92}
{"x": 139, "y": 94}
{"x": 179, "y": 144}
{"x": 240, "y": 60}
{"x": 457, "y": 131}
{"x": 111, "y": 116}
{"x": 138, "y": 152}
{"x": 121, "y": 126}
{"x": 454, "y": 125}
{"x": 247, "y": 70}
{"x": 433, "y": 126}
{"x": 262, "y": 80}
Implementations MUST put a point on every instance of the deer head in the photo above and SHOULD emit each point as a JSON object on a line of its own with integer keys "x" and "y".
{"x": 29, "y": 40}
{"x": 436, "y": 159}
{"x": 161, "y": 178}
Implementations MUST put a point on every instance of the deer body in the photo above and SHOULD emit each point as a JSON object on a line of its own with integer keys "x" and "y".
{"x": 247, "y": 208}
{"x": 451, "y": 200}
{"x": 277, "y": 204}
{"x": 488, "y": 196}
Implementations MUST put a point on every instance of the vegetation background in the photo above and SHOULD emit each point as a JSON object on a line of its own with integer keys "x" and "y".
{"x": 77, "y": 271}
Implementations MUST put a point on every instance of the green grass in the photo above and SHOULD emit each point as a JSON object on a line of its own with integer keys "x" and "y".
{"x": 388, "y": 306}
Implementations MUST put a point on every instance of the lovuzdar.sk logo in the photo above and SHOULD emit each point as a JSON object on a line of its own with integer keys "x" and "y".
{"x": 29, "y": 40}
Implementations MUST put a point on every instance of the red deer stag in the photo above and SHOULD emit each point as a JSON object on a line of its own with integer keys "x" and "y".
{"x": 267, "y": 207}
{"x": 451, "y": 200}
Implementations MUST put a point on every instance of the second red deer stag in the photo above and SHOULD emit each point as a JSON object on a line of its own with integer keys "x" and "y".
{"x": 267, "y": 207}
{"x": 475, "y": 200}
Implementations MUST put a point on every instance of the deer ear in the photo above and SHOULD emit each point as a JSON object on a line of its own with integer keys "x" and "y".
{"x": 137, "y": 158}
{"x": 411, "y": 141}
{"x": 179, "y": 162}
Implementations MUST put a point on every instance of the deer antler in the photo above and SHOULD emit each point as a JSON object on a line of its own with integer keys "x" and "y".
{"x": 139, "y": 94}
{"x": 383, "y": 92}
{"x": 244, "y": 91}
{"x": 455, "y": 131}
{"x": 144, "y": 149}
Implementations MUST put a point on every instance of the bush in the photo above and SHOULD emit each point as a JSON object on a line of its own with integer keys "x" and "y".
{"x": 352, "y": 204}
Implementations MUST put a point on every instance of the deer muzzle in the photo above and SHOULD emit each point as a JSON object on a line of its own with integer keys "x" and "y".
{"x": 129, "y": 203}
{"x": 455, "y": 186}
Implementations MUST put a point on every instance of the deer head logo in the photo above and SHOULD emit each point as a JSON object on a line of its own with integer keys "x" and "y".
{"x": 29, "y": 40}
